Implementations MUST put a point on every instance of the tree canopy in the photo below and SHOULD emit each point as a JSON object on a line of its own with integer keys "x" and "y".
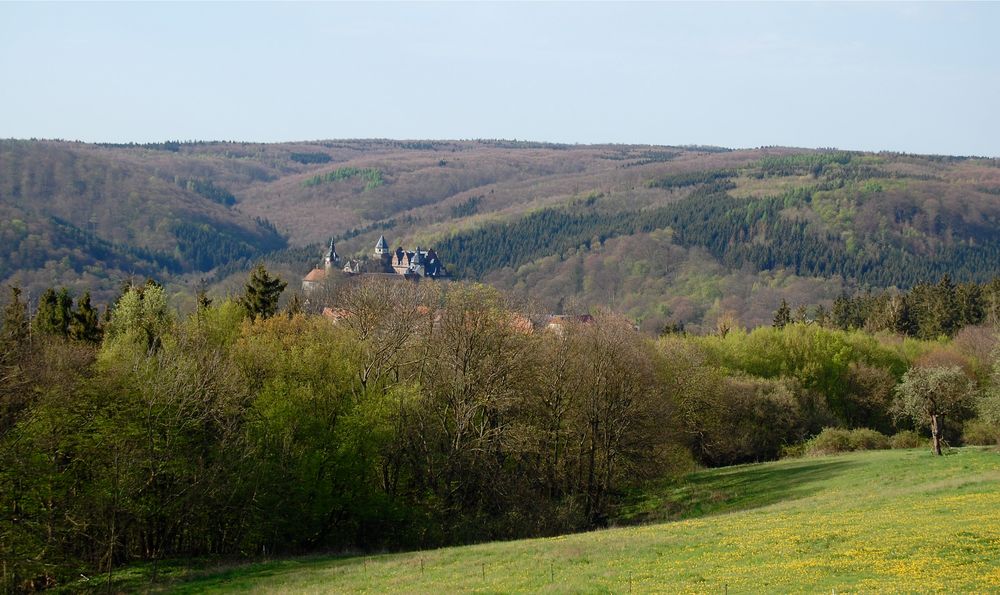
{"x": 928, "y": 395}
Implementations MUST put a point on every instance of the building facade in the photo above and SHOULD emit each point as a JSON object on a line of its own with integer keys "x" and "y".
{"x": 316, "y": 277}
{"x": 407, "y": 264}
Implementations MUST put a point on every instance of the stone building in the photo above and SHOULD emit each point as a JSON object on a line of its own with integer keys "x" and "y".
{"x": 318, "y": 276}
{"x": 407, "y": 264}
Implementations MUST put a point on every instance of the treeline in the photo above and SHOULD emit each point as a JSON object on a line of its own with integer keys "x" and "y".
{"x": 467, "y": 207}
{"x": 207, "y": 189}
{"x": 201, "y": 246}
{"x": 755, "y": 233}
{"x": 694, "y": 178}
{"x": 417, "y": 421}
{"x": 643, "y": 158}
{"x": 494, "y": 246}
{"x": 372, "y": 177}
{"x": 793, "y": 165}
{"x": 112, "y": 253}
{"x": 172, "y": 146}
{"x": 32, "y": 246}
{"x": 308, "y": 158}
{"x": 739, "y": 232}
{"x": 426, "y": 415}
{"x": 927, "y": 311}
{"x": 381, "y": 225}
{"x": 204, "y": 246}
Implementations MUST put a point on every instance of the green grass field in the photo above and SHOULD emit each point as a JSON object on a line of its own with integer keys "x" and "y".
{"x": 887, "y": 521}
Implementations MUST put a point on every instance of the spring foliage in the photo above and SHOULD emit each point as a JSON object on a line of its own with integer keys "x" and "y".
{"x": 427, "y": 415}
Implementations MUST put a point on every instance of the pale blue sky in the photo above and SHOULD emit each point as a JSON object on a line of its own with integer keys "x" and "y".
{"x": 913, "y": 77}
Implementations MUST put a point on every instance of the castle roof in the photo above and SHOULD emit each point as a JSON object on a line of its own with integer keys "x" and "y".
{"x": 315, "y": 275}
{"x": 381, "y": 244}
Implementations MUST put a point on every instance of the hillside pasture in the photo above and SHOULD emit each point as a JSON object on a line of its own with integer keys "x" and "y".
{"x": 887, "y": 521}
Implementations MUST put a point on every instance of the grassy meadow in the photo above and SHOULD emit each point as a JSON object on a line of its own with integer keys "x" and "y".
{"x": 881, "y": 521}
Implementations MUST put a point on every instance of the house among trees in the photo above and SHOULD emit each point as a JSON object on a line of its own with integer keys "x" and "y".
{"x": 406, "y": 264}
{"x": 557, "y": 323}
{"x": 316, "y": 277}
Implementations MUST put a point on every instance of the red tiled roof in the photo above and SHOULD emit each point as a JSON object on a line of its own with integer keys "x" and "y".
{"x": 315, "y": 275}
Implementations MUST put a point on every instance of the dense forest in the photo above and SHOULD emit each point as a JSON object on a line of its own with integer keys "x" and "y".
{"x": 752, "y": 232}
{"x": 428, "y": 414}
{"x": 666, "y": 236}
{"x": 737, "y": 233}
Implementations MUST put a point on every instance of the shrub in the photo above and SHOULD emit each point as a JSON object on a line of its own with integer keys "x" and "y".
{"x": 794, "y": 451}
{"x": 834, "y": 440}
{"x": 865, "y": 439}
{"x": 977, "y": 432}
{"x": 907, "y": 439}
{"x": 829, "y": 441}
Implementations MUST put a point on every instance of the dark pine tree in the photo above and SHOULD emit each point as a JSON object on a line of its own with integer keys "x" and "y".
{"x": 821, "y": 317}
{"x": 801, "y": 314}
{"x": 969, "y": 304}
{"x": 261, "y": 293}
{"x": 841, "y": 314}
{"x": 86, "y": 324}
{"x": 15, "y": 320}
{"x": 783, "y": 315}
{"x": 55, "y": 310}
{"x": 202, "y": 295}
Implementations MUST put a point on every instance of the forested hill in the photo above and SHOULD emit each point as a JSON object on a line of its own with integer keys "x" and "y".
{"x": 663, "y": 234}
{"x": 87, "y": 217}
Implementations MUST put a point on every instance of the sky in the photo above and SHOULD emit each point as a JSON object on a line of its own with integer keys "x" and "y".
{"x": 920, "y": 78}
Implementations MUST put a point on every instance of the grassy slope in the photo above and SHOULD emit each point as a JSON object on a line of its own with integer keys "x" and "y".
{"x": 875, "y": 521}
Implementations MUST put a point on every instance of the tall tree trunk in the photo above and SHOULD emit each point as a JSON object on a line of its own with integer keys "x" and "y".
{"x": 936, "y": 434}
{"x": 590, "y": 472}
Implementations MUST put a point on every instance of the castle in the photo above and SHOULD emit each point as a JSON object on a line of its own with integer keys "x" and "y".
{"x": 406, "y": 264}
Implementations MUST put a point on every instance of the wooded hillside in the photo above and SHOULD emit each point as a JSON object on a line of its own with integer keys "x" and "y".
{"x": 664, "y": 235}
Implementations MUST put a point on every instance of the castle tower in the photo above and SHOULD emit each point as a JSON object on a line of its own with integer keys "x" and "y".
{"x": 383, "y": 254}
{"x": 330, "y": 259}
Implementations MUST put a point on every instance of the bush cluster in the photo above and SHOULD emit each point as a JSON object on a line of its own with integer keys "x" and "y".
{"x": 977, "y": 432}
{"x": 907, "y": 439}
{"x": 837, "y": 440}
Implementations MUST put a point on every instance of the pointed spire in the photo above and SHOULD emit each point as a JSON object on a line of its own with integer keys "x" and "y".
{"x": 331, "y": 256}
{"x": 381, "y": 247}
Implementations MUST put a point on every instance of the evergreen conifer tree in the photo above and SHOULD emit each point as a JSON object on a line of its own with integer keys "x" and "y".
{"x": 15, "y": 319}
{"x": 991, "y": 302}
{"x": 86, "y": 324}
{"x": 944, "y": 310}
{"x": 55, "y": 310}
{"x": 904, "y": 319}
{"x": 821, "y": 317}
{"x": 261, "y": 293}
{"x": 783, "y": 316}
{"x": 203, "y": 300}
{"x": 968, "y": 304}
{"x": 841, "y": 313}
{"x": 801, "y": 314}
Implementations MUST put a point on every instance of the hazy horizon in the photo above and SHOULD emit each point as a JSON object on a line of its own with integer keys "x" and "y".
{"x": 917, "y": 78}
